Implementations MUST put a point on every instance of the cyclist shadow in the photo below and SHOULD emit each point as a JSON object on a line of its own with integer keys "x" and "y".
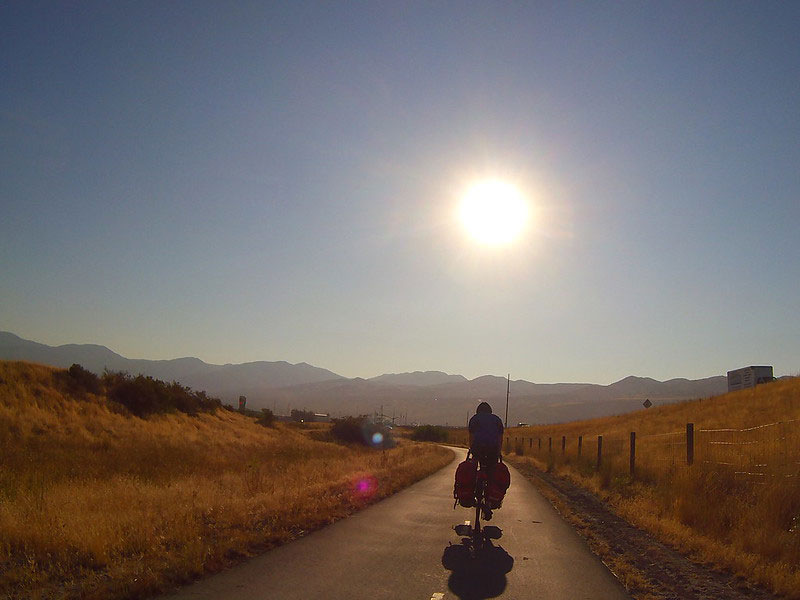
{"x": 483, "y": 576}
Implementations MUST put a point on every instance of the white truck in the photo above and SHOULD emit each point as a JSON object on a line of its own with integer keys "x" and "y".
{"x": 748, "y": 377}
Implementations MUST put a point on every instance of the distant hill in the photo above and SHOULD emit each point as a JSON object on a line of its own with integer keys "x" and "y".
{"x": 453, "y": 403}
{"x": 419, "y": 378}
{"x": 226, "y": 381}
{"x": 421, "y": 396}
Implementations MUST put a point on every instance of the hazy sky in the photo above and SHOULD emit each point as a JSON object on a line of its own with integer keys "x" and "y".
{"x": 256, "y": 181}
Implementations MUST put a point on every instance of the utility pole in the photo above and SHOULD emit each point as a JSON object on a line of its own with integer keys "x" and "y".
{"x": 508, "y": 390}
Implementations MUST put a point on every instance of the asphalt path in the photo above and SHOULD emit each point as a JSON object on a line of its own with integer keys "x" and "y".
{"x": 404, "y": 547}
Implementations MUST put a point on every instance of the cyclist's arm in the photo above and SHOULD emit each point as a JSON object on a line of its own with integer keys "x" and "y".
{"x": 500, "y": 439}
{"x": 471, "y": 430}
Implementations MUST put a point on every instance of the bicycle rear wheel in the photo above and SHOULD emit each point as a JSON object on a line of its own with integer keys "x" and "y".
{"x": 480, "y": 500}
{"x": 477, "y": 526}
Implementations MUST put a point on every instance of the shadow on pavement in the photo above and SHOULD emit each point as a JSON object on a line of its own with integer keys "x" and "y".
{"x": 477, "y": 578}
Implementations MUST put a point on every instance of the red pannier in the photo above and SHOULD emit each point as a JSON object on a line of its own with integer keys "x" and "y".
{"x": 464, "y": 489}
{"x": 497, "y": 485}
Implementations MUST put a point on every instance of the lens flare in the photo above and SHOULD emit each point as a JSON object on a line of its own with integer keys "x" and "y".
{"x": 365, "y": 487}
{"x": 377, "y": 438}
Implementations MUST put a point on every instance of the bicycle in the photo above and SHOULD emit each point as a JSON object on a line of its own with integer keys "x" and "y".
{"x": 478, "y": 536}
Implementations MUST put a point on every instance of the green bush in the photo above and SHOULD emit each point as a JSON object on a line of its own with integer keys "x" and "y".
{"x": 429, "y": 433}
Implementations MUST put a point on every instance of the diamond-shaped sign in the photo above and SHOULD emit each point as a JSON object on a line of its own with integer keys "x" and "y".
{"x": 647, "y": 403}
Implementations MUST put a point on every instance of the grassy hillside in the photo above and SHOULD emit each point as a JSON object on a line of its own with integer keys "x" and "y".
{"x": 98, "y": 503}
{"x": 737, "y": 505}
{"x": 763, "y": 404}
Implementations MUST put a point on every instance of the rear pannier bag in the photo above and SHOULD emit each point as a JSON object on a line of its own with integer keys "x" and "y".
{"x": 464, "y": 489}
{"x": 497, "y": 485}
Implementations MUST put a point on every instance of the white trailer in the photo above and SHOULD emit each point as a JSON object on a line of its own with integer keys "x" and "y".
{"x": 748, "y": 377}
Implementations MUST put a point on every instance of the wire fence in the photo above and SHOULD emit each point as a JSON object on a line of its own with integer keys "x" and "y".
{"x": 758, "y": 455}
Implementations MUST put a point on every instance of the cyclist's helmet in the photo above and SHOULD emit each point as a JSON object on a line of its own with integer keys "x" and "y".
{"x": 484, "y": 407}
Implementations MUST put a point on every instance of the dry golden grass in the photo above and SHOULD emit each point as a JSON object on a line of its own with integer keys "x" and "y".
{"x": 737, "y": 506}
{"x": 96, "y": 504}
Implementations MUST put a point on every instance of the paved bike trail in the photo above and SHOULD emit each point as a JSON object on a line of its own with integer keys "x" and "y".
{"x": 404, "y": 547}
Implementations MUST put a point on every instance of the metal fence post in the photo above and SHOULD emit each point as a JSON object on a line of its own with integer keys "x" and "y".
{"x": 549, "y": 444}
{"x": 563, "y": 444}
{"x": 599, "y": 451}
{"x": 689, "y": 443}
{"x": 633, "y": 453}
{"x": 580, "y": 445}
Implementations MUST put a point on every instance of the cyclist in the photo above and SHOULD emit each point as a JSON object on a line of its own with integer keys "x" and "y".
{"x": 486, "y": 440}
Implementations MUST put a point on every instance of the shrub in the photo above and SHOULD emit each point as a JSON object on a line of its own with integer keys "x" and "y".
{"x": 429, "y": 433}
{"x": 78, "y": 381}
{"x": 144, "y": 395}
{"x": 302, "y": 416}
{"x": 267, "y": 418}
{"x": 348, "y": 430}
{"x": 360, "y": 430}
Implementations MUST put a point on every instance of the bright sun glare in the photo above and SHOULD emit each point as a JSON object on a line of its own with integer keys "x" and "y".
{"x": 494, "y": 212}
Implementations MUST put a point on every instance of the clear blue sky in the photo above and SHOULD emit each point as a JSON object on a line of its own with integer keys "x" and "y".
{"x": 255, "y": 181}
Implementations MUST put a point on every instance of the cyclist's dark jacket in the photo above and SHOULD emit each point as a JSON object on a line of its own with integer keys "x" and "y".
{"x": 487, "y": 429}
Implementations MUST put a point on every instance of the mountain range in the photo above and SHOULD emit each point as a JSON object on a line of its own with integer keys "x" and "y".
{"x": 421, "y": 396}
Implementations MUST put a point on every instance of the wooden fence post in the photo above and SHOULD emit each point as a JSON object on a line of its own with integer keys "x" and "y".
{"x": 689, "y": 443}
{"x": 563, "y": 444}
{"x": 599, "y": 451}
{"x": 633, "y": 454}
{"x": 549, "y": 444}
{"x": 540, "y": 444}
{"x": 530, "y": 443}
{"x": 580, "y": 445}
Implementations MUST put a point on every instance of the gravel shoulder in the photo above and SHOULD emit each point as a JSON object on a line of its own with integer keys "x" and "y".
{"x": 649, "y": 569}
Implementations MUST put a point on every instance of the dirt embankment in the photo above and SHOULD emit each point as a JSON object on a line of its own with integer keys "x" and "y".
{"x": 649, "y": 569}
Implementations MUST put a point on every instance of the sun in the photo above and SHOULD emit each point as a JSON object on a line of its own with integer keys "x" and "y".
{"x": 494, "y": 212}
